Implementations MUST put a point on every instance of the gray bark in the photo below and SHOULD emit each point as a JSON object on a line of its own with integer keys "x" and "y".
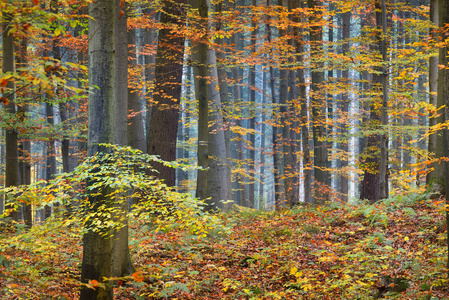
{"x": 433, "y": 86}
{"x": 136, "y": 132}
{"x": 106, "y": 255}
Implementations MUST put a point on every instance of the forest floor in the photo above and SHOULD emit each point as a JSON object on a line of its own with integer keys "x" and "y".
{"x": 395, "y": 249}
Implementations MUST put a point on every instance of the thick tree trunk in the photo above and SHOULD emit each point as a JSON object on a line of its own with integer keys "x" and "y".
{"x": 106, "y": 255}
{"x": 163, "y": 129}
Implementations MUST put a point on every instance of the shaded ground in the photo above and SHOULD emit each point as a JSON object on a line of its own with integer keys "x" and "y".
{"x": 393, "y": 250}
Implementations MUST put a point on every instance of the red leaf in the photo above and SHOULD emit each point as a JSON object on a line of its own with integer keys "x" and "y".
{"x": 35, "y": 2}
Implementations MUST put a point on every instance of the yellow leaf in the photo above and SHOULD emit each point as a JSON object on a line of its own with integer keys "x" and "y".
{"x": 293, "y": 270}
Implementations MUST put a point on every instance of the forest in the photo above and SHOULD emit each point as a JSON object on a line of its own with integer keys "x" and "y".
{"x": 224, "y": 149}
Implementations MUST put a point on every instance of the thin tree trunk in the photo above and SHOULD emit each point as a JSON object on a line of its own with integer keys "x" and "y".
{"x": 320, "y": 144}
{"x": 433, "y": 81}
{"x": 218, "y": 188}
{"x": 25, "y": 145}
{"x": 224, "y": 96}
{"x": 50, "y": 168}
{"x": 383, "y": 168}
{"x": 136, "y": 132}
{"x": 200, "y": 71}
{"x": 345, "y": 110}
{"x": 11, "y": 143}
{"x": 241, "y": 186}
{"x": 252, "y": 119}
{"x": 279, "y": 195}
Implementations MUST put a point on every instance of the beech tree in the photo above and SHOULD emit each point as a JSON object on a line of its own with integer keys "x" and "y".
{"x": 163, "y": 127}
{"x": 106, "y": 254}
{"x": 11, "y": 152}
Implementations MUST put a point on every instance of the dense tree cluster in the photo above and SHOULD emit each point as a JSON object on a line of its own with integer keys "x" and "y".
{"x": 276, "y": 102}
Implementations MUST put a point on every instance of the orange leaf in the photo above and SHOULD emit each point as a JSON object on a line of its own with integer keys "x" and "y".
{"x": 121, "y": 14}
{"x": 93, "y": 282}
{"x": 4, "y": 100}
{"x": 138, "y": 277}
{"x": 35, "y": 2}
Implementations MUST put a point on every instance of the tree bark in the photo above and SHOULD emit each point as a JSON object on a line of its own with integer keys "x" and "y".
{"x": 25, "y": 144}
{"x": 345, "y": 110}
{"x": 136, "y": 132}
{"x": 11, "y": 143}
{"x": 433, "y": 89}
{"x": 106, "y": 255}
{"x": 321, "y": 165}
{"x": 163, "y": 128}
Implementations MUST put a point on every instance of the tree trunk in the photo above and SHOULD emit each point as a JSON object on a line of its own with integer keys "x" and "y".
{"x": 218, "y": 188}
{"x": 433, "y": 89}
{"x": 320, "y": 144}
{"x": 106, "y": 255}
{"x": 200, "y": 72}
{"x": 443, "y": 97}
{"x": 11, "y": 143}
{"x": 252, "y": 113}
{"x": 240, "y": 181}
{"x": 279, "y": 195}
{"x": 25, "y": 145}
{"x": 163, "y": 129}
{"x": 50, "y": 168}
{"x": 375, "y": 179}
{"x": 136, "y": 132}
{"x": 225, "y": 101}
{"x": 345, "y": 110}
{"x": 383, "y": 168}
